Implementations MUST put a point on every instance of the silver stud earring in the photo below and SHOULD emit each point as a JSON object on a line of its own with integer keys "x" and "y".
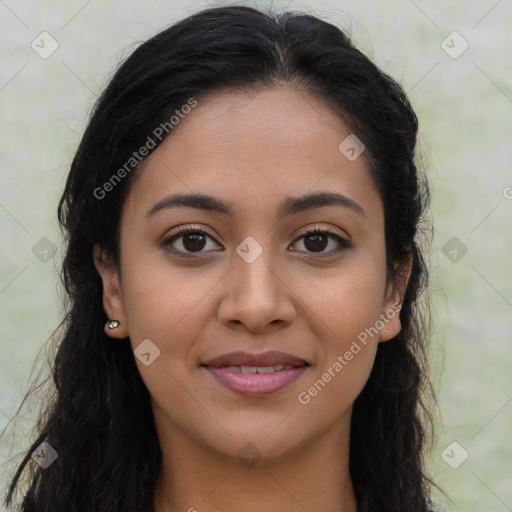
{"x": 113, "y": 324}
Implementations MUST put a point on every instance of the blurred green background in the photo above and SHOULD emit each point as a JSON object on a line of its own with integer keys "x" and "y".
{"x": 460, "y": 85}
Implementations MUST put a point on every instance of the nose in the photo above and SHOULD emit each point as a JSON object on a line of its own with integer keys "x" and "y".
{"x": 256, "y": 295}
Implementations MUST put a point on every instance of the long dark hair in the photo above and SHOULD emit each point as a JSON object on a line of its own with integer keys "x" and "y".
{"x": 98, "y": 417}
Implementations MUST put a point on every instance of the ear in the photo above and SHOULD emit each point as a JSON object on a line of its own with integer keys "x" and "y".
{"x": 390, "y": 314}
{"x": 112, "y": 295}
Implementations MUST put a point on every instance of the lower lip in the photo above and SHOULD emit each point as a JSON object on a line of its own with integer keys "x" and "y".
{"x": 256, "y": 383}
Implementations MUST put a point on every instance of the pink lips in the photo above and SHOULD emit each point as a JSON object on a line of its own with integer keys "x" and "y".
{"x": 256, "y": 383}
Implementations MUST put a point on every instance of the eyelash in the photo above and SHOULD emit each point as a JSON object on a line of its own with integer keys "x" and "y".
{"x": 343, "y": 243}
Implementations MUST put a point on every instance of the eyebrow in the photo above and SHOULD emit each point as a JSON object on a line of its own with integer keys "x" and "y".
{"x": 290, "y": 205}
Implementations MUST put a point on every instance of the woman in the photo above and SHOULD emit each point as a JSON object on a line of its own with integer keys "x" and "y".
{"x": 243, "y": 269}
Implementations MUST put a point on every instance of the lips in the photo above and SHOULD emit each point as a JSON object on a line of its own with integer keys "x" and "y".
{"x": 256, "y": 374}
{"x": 266, "y": 359}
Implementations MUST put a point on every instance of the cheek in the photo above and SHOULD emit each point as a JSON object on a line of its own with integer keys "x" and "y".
{"x": 165, "y": 303}
{"x": 348, "y": 341}
{"x": 347, "y": 307}
{"x": 169, "y": 307}
{"x": 345, "y": 302}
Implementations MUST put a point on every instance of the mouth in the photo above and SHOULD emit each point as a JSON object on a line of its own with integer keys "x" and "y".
{"x": 264, "y": 360}
{"x": 259, "y": 369}
{"x": 256, "y": 374}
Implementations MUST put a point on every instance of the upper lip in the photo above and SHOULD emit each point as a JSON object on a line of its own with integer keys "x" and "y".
{"x": 270, "y": 358}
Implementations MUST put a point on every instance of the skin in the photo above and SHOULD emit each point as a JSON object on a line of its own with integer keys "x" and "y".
{"x": 253, "y": 149}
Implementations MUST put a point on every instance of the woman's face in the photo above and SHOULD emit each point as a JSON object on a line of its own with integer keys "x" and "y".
{"x": 254, "y": 282}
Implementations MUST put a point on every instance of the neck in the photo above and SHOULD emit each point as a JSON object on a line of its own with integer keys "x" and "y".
{"x": 314, "y": 478}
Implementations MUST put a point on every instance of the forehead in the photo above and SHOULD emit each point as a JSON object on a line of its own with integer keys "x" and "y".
{"x": 273, "y": 119}
{"x": 253, "y": 149}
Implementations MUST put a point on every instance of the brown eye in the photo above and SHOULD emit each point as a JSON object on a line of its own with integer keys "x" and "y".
{"x": 190, "y": 240}
{"x": 193, "y": 241}
{"x": 316, "y": 240}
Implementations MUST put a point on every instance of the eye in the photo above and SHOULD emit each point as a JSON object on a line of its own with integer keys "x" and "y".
{"x": 193, "y": 240}
{"x": 190, "y": 239}
{"x": 317, "y": 239}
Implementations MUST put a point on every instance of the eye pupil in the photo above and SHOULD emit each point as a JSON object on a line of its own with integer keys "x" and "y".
{"x": 316, "y": 237}
{"x": 195, "y": 240}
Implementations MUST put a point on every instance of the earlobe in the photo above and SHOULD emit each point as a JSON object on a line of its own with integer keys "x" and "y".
{"x": 390, "y": 319}
{"x": 114, "y": 329}
{"x": 112, "y": 294}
